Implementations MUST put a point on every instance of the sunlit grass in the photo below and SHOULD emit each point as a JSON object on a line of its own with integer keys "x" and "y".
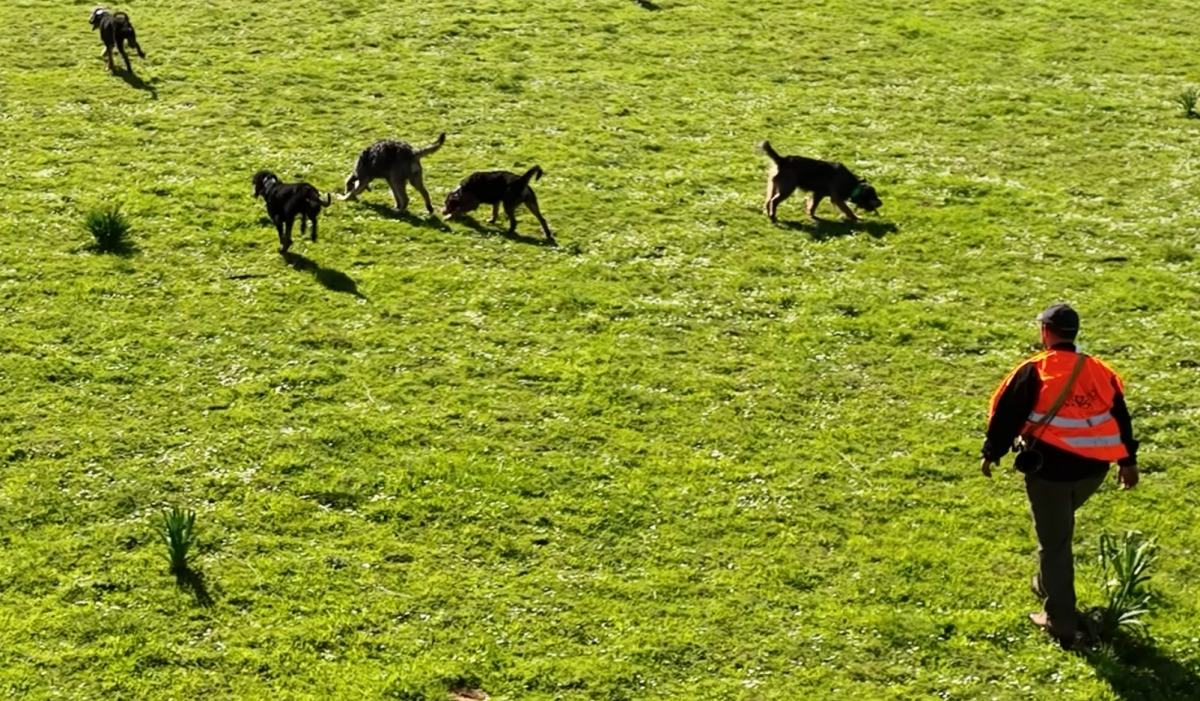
{"x": 686, "y": 454}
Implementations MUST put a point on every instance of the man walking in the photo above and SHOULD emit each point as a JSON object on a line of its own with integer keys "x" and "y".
{"x": 1066, "y": 412}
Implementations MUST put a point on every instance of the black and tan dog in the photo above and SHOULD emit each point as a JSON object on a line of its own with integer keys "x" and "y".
{"x": 497, "y": 187}
{"x": 115, "y": 30}
{"x": 821, "y": 178}
{"x": 286, "y": 201}
{"x": 396, "y": 162}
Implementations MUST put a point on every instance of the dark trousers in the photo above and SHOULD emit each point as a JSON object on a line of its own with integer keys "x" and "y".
{"x": 1053, "y": 506}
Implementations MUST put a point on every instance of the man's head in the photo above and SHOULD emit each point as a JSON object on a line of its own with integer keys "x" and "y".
{"x": 1060, "y": 323}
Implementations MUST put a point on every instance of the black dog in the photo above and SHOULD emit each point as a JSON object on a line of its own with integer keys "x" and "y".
{"x": 497, "y": 187}
{"x": 286, "y": 201}
{"x": 822, "y": 178}
{"x": 115, "y": 31}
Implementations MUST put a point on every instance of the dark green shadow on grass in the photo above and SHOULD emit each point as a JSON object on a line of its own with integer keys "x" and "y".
{"x": 192, "y": 581}
{"x": 429, "y": 222}
{"x": 134, "y": 81}
{"x": 825, "y": 229}
{"x": 478, "y": 228}
{"x": 1137, "y": 670}
{"x": 647, "y": 5}
{"x": 120, "y": 249}
{"x": 330, "y": 279}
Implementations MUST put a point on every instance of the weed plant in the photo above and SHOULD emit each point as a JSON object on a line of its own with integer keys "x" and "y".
{"x": 110, "y": 229}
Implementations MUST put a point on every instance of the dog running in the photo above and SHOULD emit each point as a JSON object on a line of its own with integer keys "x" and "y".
{"x": 497, "y": 187}
{"x": 115, "y": 30}
{"x": 286, "y": 201}
{"x": 821, "y": 178}
{"x": 396, "y": 162}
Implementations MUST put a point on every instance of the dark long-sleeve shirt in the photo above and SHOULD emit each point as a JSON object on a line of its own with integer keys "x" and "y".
{"x": 1012, "y": 412}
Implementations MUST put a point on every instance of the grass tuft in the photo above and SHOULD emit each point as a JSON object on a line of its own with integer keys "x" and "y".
{"x": 1177, "y": 254}
{"x": 1187, "y": 100}
{"x": 178, "y": 529}
{"x": 1125, "y": 565}
{"x": 110, "y": 228}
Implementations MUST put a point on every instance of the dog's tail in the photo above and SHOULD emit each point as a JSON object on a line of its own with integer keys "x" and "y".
{"x": 771, "y": 153}
{"x": 432, "y": 147}
{"x": 534, "y": 173}
{"x": 314, "y": 199}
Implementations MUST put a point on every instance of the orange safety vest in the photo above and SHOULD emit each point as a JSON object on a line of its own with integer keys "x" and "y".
{"x": 1084, "y": 424}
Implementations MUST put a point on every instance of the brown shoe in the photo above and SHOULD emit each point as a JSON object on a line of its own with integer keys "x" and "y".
{"x": 1041, "y": 620}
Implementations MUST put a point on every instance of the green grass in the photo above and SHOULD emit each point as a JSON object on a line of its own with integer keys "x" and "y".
{"x": 685, "y": 454}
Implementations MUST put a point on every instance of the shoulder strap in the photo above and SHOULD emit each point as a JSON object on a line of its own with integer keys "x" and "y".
{"x": 1040, "y": 426}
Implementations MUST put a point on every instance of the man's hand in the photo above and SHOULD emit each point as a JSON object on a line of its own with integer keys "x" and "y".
{"x": 1127, "y": 476}
{"x": 986, "y": 468}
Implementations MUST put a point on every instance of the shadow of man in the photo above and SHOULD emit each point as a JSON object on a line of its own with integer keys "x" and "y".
{"x": 1138, "y": 671}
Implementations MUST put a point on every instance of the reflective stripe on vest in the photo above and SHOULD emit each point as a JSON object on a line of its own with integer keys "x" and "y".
{"x": 1072, "y": 423}
{"x": 1097, "y": 442}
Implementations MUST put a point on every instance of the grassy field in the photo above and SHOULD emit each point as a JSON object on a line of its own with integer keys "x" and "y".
{"x": 686, "y": 453}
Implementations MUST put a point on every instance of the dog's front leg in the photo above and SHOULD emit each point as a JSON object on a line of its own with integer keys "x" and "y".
{"x": 283, "y": 243}
{"x": 495, "y": 213}
{"x": 511, "y": 211}
{"x": 287, "y": 235}
{"x": 840, "y": 204}
{"x": 399, "y": 195}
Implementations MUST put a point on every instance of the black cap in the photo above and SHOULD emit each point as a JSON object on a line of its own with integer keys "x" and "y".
{"x": 1061, "y": 320}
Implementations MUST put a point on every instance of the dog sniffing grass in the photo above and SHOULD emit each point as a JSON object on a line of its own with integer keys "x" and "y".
{"x": 821, "y": 178}
{"x": 497, "y": 188}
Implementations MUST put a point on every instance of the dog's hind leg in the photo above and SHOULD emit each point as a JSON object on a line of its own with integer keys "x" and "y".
{"x": 781, "y": 194}
{"x": 811, "y": 204}
{"x": 303, "y": 224}
{"x": 121, "y": 48}
{"x": 314, "y": 228}
{"x": 531, "y": 203}
{"x": 134, "y": 43}
{"x": 418, "y": 184}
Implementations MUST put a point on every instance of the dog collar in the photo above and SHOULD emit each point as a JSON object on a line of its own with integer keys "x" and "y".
{"x": 856, "y": 191}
